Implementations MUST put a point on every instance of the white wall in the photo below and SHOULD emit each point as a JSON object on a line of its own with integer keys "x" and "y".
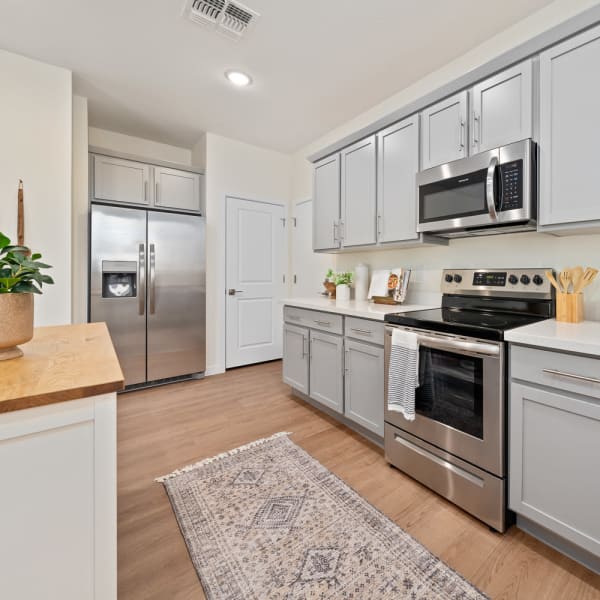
{"x": 35, "y": 145}
{"x": 233, "y": 169}
{"x": 79, "y": 215}
{"x": 518, "y": 250}
{"x": 119, "y": 142}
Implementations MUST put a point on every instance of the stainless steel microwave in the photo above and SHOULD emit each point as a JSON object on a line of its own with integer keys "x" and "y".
{"x": 488, "y": 193}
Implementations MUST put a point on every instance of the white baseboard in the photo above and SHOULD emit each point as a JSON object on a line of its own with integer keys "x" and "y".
{"x": 214, "y": 370}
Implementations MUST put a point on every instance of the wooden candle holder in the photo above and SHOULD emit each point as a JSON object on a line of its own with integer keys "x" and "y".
{"x": 569, "y": 307}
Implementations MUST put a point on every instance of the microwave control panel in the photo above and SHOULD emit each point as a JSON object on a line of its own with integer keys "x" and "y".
{"x": 511, "y": 185}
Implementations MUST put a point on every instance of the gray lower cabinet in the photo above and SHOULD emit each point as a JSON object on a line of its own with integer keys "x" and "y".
{"x": 364, "y": 385}
{"x": 569, "y": 131}
{"x": 295, "y": 356}
{"x": 327, "y": 370}
{"x": 554, "y": 451}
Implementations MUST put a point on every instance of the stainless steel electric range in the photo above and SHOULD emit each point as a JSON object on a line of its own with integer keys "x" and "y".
{"x": 457, "y": 443}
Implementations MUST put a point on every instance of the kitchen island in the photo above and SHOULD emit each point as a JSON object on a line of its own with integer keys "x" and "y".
{"x": 58, "y": 466}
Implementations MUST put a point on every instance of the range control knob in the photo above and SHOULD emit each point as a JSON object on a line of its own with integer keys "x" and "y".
{"x": 513, "y": 279}
{"x": 525, "y": 279}
{"x": 538, "y": 279}
{"x": 457, "y": 278}
{"x": 449, "y": 278}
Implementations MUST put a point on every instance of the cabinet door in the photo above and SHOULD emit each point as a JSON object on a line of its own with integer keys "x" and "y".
{"x": 176, "y": 189}
{"x": 326, "y": 203}
{"x": 444, "y": 131}
{"x": 397, "y": 165}
{"x": 502, "y": 108}
{"x": 364, "y": 385}
{"x": 326, "y": 370}
{"x": 569, "y": 130}
{"x": 359, "y": 200}
{"x": 119, "y": 180}
{"x": 554, "y": 450}
{"x": 295, "y": 357}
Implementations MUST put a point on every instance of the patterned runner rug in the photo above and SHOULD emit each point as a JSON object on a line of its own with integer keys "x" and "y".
{"x": 267, "y": 521}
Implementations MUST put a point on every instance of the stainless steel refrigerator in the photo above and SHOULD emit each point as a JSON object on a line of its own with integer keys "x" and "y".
{"x": 147, "y": 282}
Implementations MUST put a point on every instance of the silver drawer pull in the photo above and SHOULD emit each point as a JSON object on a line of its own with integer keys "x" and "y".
{"x": 571, "y": 375}
{"x": 361, "y": 331}
{"x": 324, "y": 323}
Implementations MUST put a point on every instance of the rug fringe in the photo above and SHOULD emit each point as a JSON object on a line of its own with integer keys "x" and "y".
{"x": 207, "y": 461}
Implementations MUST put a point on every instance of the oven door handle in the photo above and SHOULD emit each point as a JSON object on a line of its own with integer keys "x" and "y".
{"x": 450, "y": 344}
{"x": 489, "y": 188}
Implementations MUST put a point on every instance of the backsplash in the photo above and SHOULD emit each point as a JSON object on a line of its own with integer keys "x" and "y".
{"x": 500, "y": 251}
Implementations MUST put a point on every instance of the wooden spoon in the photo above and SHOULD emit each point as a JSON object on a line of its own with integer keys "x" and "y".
{"x": 553, "y": 281}
{"x": 565, "y": 279}
{"x": 576, "y": 277}
{"x": 588, "y": 276}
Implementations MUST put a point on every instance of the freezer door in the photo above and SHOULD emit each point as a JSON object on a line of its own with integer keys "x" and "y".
{"x": 117, "y": 283}
{"x": 176, "y": 295}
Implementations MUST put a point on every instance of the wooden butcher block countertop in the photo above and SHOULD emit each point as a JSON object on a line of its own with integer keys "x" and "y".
{"x": 60, "y": 363}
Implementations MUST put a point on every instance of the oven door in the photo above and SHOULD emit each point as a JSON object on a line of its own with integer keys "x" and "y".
{"x": 460, "y": 406}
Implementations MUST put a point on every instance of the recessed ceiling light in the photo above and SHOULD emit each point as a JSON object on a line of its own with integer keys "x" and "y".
{"x": 238, "y": 78}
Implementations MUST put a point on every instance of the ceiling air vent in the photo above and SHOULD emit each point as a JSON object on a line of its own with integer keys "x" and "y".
{"x": 230, "y": 18}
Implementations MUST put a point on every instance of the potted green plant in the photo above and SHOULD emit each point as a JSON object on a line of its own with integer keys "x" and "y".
{"x": 342, "y": 285}
{"x": 329, "y": 283}
{"x": 20, "y": 278}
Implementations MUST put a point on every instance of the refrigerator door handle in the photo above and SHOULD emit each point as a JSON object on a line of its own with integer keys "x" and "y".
{"x": 141, "y": 279}
{"x": 152, "y": 278}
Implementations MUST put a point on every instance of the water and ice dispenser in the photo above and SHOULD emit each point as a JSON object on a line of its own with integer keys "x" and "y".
{"x": 119, "y": 279}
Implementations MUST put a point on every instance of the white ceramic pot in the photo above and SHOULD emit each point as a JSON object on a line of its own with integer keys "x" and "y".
{"x": 342, "y": 292}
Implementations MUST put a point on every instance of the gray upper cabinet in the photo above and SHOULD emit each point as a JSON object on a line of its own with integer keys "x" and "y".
{"x": 569, "y": 131}
{"x": 444, "y": 131}
{"x": 326, "y": 370}
{"x": 295, "y": 356}
{"x": 177, "y": 189}
{"x": 359, "y": 200}
{"x": 364, "y": 385}
{"x": 502, "y": 108}
{"x": 397, "y": 165}
{"x": 118, "y": 180}
{"x": 326, "y": 204}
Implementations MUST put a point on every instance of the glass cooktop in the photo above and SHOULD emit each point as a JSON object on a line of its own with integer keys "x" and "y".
{"x": 460, "y": 321}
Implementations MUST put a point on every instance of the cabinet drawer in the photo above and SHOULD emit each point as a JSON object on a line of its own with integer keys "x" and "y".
{"x": 314, "y": 319}
{"x": 365, "y": 330}
{"x": 568, "y": 372}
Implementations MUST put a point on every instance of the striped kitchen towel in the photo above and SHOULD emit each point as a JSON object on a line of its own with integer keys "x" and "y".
{"x": 403, "y": 373}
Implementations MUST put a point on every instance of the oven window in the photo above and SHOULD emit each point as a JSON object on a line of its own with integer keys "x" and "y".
{"x": 453, "y": 198}
{"x": 451, "y": 390}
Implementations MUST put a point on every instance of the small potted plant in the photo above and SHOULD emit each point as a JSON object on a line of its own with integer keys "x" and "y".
{"x": 329, "y": 283}
{"x": 20, "y": 278}
{"x": 342, "y": 286}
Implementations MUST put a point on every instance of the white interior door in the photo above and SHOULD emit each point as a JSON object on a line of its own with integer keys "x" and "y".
{"x": 308, "y": 267}
{"x": 256, "y": 259}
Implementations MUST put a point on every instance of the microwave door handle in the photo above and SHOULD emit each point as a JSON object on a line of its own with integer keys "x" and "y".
{"x": 489, "y": 188}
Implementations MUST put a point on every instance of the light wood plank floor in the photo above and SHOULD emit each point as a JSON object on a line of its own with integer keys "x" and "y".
{"x": 165, "y": 428}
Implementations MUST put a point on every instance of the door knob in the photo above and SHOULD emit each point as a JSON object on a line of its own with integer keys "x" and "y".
{"x": 233, "y": 292}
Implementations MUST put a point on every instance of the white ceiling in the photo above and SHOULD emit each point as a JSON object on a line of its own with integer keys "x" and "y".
{"x": 149, "y": 72}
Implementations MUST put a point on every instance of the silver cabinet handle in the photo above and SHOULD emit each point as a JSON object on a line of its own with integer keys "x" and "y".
{"x": 233, "y": 292}
{"x": 335, "y": 235}
{"x": 361, "y": 331}
{"x": 141, "y": 279}
{"x": 303, "y": 346}
{"x": 341, "y": 231}
{"x": 571, "y": 375}
{"x": 156, "y": 196}
{"x": 461, "y": 135}
{"x": 346, "y": 361}
{"x": 146, "y": 192}
{"x": 324, "y": 323}
{"x": 151, "y": 277}
{"x": 489, "y": 188}
{"x": 379, "y": 217}
{"x": 476, "y": 122}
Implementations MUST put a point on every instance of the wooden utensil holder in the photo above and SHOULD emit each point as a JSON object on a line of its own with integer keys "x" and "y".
{"x": 569, "y": 307}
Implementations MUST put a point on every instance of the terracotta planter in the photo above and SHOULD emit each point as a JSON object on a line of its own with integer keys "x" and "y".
{"x": 330, "y": 287}
{"x": 16, "y": 323}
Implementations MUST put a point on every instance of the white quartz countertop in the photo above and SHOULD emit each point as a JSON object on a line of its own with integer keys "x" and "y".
{"x": 583, "y": 338}
{"x": 353, "y": 308}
